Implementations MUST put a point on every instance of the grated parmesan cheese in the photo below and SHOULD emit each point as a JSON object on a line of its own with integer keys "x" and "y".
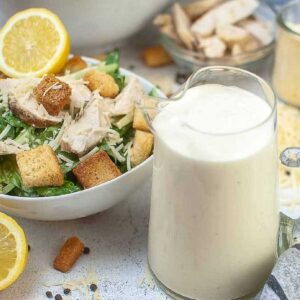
{"x": 92, "y": 152}
{"x": 54, "y": 86}
{"x": 54, "y": 144}
{"x": 116, "y": 154}
{"x": 65, "y": 159}
{"x": 128, "y": 153}
{"x": 120, "y": 147}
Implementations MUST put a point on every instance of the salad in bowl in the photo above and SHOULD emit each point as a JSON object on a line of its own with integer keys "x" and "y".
{"x": 73, "y": 144}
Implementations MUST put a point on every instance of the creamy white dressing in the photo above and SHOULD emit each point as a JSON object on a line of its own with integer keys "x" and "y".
{"x": 214, "y": 211}
{"x": 216, "y": 110}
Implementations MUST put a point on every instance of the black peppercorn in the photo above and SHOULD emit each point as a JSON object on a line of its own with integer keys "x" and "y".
{"x": 49, "y": 294}
{"x": 58, "y": 297}
{"x": 86, "y": 250}
{"x": 93, "y": 287}
{"x": 67, "y": 291}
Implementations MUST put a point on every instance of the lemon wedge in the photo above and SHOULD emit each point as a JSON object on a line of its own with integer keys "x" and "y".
{"x": 13, "y": 251}
{"x": 33, "y": 42}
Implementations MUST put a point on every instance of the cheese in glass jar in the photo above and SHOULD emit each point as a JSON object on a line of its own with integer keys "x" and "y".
{"x": 286, "y": 75}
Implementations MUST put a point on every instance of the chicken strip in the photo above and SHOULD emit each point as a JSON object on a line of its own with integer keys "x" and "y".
{"x": 195, "y": 9}
{"x": 229, "y": 12}
{"x": 182, "y": 25}
{"x": 205, "y": 25}
{"x": 170, "y": 31}
{"x": 231, "y": 34}
{"x": 162, "y": 20}
{"x": 213, "y": 47}
{"x": 262, "y": 31}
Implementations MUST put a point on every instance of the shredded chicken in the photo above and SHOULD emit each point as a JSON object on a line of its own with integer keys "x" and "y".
{"x": 31, "y": 112}
{"x": 131, "y": 94}
{"x": 24, "y": 105}
{"x": 86, "y": 132}
{"x": 80, "y": 93}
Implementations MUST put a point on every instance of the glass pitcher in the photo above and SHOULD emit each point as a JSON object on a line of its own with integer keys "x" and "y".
{"x": 214, "y": 218}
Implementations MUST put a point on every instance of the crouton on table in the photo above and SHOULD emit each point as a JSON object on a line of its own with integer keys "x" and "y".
{"x": 102, "y": 82}
{"x": 68, "y": 255}
{"x": 75, "y": 64}
{"x": 53, "y": 94}
{"x": 95, "y": 170}
{"x": 142, "y": 147}
{"x": 156, "y": 56}
{"x": 40, "y": 167}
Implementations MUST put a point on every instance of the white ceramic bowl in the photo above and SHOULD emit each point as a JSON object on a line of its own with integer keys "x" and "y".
{"x": 93, "y": 23}
{"x": 86, "y": 202}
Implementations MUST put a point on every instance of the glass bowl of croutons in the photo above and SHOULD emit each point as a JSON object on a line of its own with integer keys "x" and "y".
{"x": 217, "y": 32}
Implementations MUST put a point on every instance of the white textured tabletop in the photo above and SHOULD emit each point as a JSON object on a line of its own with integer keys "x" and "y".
{"x": 117, "y": 238}
{"x": 117, "y": 262}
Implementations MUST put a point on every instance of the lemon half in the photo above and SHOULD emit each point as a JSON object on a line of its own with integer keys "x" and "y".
{"x": 33, "y": 42}
{"x": 13, "y": 251}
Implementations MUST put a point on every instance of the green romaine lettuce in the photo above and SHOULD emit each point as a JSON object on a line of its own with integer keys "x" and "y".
{"x": 110, "y": 66}
{"x": 67, "y": 188}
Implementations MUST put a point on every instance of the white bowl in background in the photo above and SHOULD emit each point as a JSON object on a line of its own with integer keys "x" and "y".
{"x": 93, "y": 23}
{"x": 86, "y": 202}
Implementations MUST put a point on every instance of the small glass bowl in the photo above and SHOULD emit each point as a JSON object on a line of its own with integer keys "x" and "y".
{"x": 193, "y": 60}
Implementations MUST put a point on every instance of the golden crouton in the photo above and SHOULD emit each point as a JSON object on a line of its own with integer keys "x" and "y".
{"x": 142, "y": 147}
{"x": 53, "y": 94}
{"x": 75, "y": 64}
{"x": 139, "y": 121}
{"x": 102, "y": 82}
{"x": 40, "y": 167}
{"x": 156, "y": 56}
{"x": 95, "y": 170}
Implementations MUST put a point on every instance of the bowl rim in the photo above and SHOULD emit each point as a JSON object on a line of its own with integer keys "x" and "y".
{"x": 83, "y": 192}
{"x": 189, "y": 55}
